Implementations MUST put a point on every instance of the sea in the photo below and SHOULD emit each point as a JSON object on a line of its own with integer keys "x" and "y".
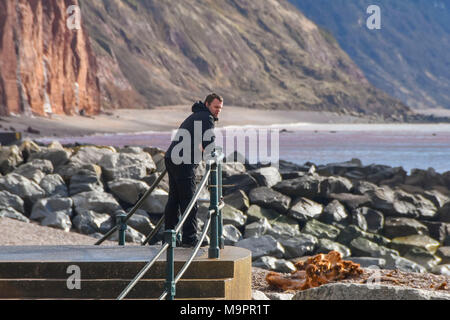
{"x": 411, "y": 146}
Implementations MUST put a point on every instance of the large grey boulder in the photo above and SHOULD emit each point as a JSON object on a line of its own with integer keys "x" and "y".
{"x": 334, "y": 184}
{"x": 243, "y": 181}
{"x": 321, "y": 230}
{"x": 326, "y": 245}
{"x": 351, "y": 201}
{"x": 284, "y": 226}
{"x": 299, "y": 246}
{"x": 141, "y": 223}
{"x": 54, "y": 185}
{"x": 48, "y": 207}
{"x": 400, "y": 227}
{"x": 89, "y": 222}
{"x": 443, "y": 269}
{"x": 100, "y": 202}
{"x": 356, "y": 291}
{"x": 56, "y": 156}
{"x": 304, "y": 209}
{"x": 10, "y": 158}
{"x": 444, "y": 254}
{"x": 126, "y": 165}
{"x": 9, "y": 200}
{"x": 12, "y": 214}
{"x": 436, "y": 197}
{"x": 156, "y": 202}
{"x": 415, "y": 206}
{"x": 128, "y": 190}
{"x": 85, "y": 179}
{"x": 256, "y": 213}
{"x": 274, "y": 264}
{"x": 28, "y": 190}
{"x": 131, "y": 235}
{"x": 233, "y": 216}
{"x": 351, "y": 232}
{"x": 444, "y": 213}
{"x": 91, "y": 154}
{"x": 266, "y": 176}
{"x": 422, "y": 257}
{"x": 268, "y": 198}
{"x": 367, "y": 262}
{"x": 238, "y": 199}
{"x": 262, "y": 246}
{"x": 334, "y": 212}
{"x": 368, "y": 219}
{"x": 35, "y": 170}
{"x": 231, "y": 235}
{"x": 163, "y": 184}
{"x": 257, "y": 229}
{"x": 437, "y": 230}
{"x": 307, "y": 186}
{"x": 404, "y": 244}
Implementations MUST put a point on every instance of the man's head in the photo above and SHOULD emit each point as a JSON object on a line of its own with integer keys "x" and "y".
{"x": 214, "y": 103}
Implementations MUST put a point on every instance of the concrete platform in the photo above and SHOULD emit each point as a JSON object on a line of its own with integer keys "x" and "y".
{"x": 40, "y": 272}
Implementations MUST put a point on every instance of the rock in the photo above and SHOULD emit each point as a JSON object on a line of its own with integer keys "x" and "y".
{"x": 232, "y": 168}
{"x": 279, "y": 296}
{"x": 266, "y": 176}
{"x": 361, "y": 247}
{"x": 156, "y": 202}
{"x": 339, "y": 168}
{"x": 26, "y": 189}
{"x": 10, "y": 158}
{"x": 424, "y": 178}
{"x": 382, "y": 199}
{"x": 422, "y": 257}
{"x": 303, "y": 244}
{"x": 437, "y": 230}
{"x": 128, "y": 190}
{"x": 233, "y": 216}
{"x": 257, "y": 229}
{"x": 436, "y": 197}
{"x": 54, "y": 185}
{"x": 100, "y": 202}
{"x": 367, "y": 262}
{"x": 364, "y": 292}
{"x": 351, "y": 201}
{"x": 86, "y": 179}
{"x": 231, "y": 235}
{"x": 335, "y": 185}
{"x": 131, "y": 149}
{"x": 274, "y": 264}
{"x": 307, "y": 186}
{"x": 268, "y": 198}
{"x": 9, "y": 200}
{"x": 131, "y": 235}
{"x": 243, "y": 181}
{"x": 352, "y": 232}
{"x": 262, "y": 246}
{"x": 141, "y": 223}
{"x": 443, "y": 269}
{"x": 259, "y": 295}
{"x": 35, "y": 170}
{"x": 163, "y": 184}
{"x": 304, "y": 209}
{"x": 415, "y": 206}
{"x": 47, "y": 208}
{"x": 444, "y": 213}
{"x": 362, "y": 187}
{"x": 238, "y": 200}
{"x": 321, "y": 230}
{"x": 256, "y": 213}
{"x": 444, "y": 254}
{"x": 160, "y": 162}
{"x": 88, "y": 222}
{"x": 57, "y": 157}
{"x": 126, "y": 165}
{"x": 284, "y": 226}
{"x": 334, "y": 212}
{"x": 400, "y": 227}
{"x": 404, "y": 264}
{"x": 368, "y": 219}
{"x": 12, "y": 214}
{"x": 404, "y": 244}
{"x": 85, "y": 155}
{"x": 27, "y": 148}
{"x": 326, "y": 245}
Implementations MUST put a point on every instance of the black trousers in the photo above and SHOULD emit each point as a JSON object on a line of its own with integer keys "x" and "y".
{"x": 182, "y": 189}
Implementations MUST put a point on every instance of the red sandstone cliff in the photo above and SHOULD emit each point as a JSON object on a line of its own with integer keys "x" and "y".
{"x": 45, "y": 67}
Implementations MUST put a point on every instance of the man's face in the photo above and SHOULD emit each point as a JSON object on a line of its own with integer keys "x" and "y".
{"x": 215, "y": 107}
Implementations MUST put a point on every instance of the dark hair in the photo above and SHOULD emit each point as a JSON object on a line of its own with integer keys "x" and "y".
{"x": 210, "y": 98}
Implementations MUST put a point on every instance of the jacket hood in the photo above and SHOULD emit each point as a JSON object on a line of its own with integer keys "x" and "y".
{"x": 199, "y": 107}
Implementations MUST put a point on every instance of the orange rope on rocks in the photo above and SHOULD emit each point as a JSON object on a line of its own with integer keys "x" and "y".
{"x": 314, "y": 272}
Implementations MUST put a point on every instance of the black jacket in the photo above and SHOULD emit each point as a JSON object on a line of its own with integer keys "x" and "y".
{"x": 201, "y": 115}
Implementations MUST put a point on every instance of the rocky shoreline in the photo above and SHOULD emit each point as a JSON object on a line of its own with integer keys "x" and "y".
{"x": 377, "y": 216}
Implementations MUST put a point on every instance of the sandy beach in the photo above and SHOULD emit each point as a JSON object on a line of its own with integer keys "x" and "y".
{"x": 164, "y": 118}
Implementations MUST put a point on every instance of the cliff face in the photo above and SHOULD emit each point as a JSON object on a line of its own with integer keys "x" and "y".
{"x": 263, "y": 54}
{"x": 45, "y": 67}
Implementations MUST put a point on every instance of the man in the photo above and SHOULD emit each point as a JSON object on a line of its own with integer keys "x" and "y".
{"x": 182, "y": 173}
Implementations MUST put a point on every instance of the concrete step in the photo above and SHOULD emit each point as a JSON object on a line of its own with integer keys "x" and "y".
{"x": 109, "y": 289}
{"x": 42, "y": 272}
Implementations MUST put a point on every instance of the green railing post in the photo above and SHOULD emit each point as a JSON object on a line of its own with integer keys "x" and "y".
{"x": 122, "y": 223}
{"x": 170, "y": 237}
{"x": 219, "y": 191}
{"x": 213, "y": 252}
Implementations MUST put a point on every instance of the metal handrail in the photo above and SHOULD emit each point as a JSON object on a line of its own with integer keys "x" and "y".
{"x": 154, "y": 231}
{"x": 166, "y": 245}
{"x": 134, "y": 209}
